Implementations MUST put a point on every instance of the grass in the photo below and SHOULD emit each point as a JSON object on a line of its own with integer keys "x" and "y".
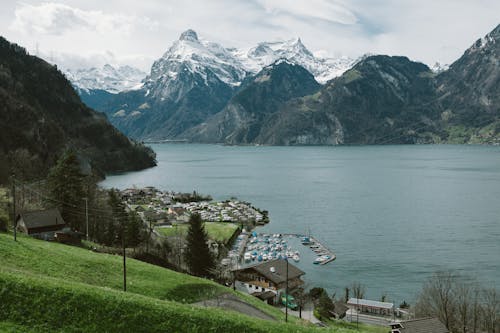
{"x": 50, "y": 287}
{"x": 217, "y": 231}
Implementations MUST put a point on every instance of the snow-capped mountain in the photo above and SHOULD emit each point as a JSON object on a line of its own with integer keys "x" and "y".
{"x": 231, "y": 65}
{"x": 190, "y": 55}
{"x": 107, "y": 78}
{"x": 266, "y": 53}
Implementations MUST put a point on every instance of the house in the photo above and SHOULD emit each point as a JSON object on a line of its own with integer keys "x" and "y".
{"x": 41, "y": 224}
{"x": 369, "y": 306}
{"x": 268, "y": 280}
{"x": 422, "y": 325}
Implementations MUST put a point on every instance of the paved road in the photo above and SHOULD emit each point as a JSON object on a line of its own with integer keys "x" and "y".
{"x": 307, "y": 314}
{"x": 231, "y": 302}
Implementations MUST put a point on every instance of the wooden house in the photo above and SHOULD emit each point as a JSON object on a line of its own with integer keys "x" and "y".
{"x": 41, "y": 224}
{"x": 268, "y": 279}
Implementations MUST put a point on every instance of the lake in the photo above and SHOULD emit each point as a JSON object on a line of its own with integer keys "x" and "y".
{"x": 392, "y": 214}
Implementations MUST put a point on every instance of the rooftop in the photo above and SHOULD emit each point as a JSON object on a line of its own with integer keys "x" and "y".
{"x": 42, "y": 218}
{"x": 422, "y": 325}
{"x": 275, "y": 270}
{"x": 367, "y": 302}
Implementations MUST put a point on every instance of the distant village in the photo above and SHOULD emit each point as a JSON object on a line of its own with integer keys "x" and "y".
{"x": 166, "y": 207}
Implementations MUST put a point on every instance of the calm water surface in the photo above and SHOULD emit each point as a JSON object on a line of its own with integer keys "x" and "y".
{"x": 392, "y": 214}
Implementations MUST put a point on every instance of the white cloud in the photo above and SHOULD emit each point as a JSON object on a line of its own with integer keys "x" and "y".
{"x": 138, "y": 31}
{"x": 57, "y": 19}
{"x": 311, "y": 10}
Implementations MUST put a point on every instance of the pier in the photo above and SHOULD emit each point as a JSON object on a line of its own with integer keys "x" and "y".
{"x": 320, "y": 250}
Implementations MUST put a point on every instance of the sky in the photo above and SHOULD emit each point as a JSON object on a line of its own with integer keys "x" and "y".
{"x": 86, "y": 33}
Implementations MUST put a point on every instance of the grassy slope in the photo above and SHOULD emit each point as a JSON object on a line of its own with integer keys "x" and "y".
{"x": 218, "y": 231}
{"x": 49, "y": 286}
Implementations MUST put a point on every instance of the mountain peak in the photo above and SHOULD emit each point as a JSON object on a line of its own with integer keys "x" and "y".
{"x": 189, "y": 35}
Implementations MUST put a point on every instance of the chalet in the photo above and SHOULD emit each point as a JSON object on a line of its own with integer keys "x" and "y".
{"x": 422, "y": 325}
{"x": 41, "y": 224}
{"x": 268, "y": 280}
{"x": 369, "y": 306}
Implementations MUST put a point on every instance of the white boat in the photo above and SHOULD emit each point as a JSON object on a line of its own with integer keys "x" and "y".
{"x": 296, "y": 258}
{"x": 321, "y": 259}
{"x": 247, "y": 256}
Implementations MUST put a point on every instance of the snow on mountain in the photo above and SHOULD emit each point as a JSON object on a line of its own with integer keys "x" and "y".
{"x": 438, "y": 67}
{"x": 107, "y": 78}
{"x": 195, "y": 57}
{"x": 265, "y": 53}
{"x": 188, "y": 53}
{"x": 230, "y": 65}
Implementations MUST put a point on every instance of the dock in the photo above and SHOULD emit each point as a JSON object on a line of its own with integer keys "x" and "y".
{"x": 324, "y": 254}
{"x": 321, "y": 250}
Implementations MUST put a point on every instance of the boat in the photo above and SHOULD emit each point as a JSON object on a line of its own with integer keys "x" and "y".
{"x": 247, "y": 256}
{"x": 321, "y": 259}
{"x": 296, "y": 258}
{"x": 306, "y": 241}
{"x": 260, "y": 258}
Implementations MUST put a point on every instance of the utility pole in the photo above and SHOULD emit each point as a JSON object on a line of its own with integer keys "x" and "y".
{"x": 286, "y": 292}
{"x": 87, "y": 217}
{"x": 357, "y": 312}
{"x": 14, "y": 222}
{"x": 124, "y": 263}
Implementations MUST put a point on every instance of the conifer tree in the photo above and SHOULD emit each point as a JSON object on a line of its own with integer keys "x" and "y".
{"x": 65, "y": 183}
{"x": 197, "y": 255}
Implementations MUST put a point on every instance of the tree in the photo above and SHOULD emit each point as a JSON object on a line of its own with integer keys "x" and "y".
{"x": 135, "y": 232}
{"x": 346, "y": 294}
{"x": 325, "y": 306}
{"x": 65, "y": 183}
{"x": 197, "y": 255}
{"x": 358, "y": 290}
{"x": 120, "y": 217}
{"x": 316, "y": 292}
{"x": 301, "y": 297}
{"x": 436, "y": 298}
{"x": 491, "y": 310}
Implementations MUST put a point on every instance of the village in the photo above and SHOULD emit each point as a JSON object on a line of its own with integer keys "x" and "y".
{"x": 167, "y": 208}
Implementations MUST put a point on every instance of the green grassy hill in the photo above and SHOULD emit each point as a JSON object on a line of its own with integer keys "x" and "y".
{"x": 49, "y": 287}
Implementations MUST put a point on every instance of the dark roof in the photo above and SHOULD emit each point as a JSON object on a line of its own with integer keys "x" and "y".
{"x": 422, "y": 325}
{"x": 264, "y": 295}
{"x": 278, "y": 273}
{"x": 42, "y": 218}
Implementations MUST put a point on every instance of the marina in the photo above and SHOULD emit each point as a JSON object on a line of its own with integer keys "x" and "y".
{"x": 252, "y": 248}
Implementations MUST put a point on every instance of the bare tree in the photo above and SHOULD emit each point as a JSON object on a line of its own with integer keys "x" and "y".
{"x": 476, "y": 308}
{"x": 491, "y": 309}
{"x": 463, "y": 293}
{"x": 436, "y": 298}
{"x": 358, "y": 290}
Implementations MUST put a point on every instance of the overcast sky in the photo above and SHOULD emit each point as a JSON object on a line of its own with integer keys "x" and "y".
{"x": 91, "y": 32}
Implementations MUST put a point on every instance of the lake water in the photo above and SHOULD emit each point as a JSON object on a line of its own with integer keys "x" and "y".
{"x": 392, "y": 214}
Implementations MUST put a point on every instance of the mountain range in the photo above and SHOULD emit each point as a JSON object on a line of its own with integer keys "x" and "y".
{"x": 200, "y": 91}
